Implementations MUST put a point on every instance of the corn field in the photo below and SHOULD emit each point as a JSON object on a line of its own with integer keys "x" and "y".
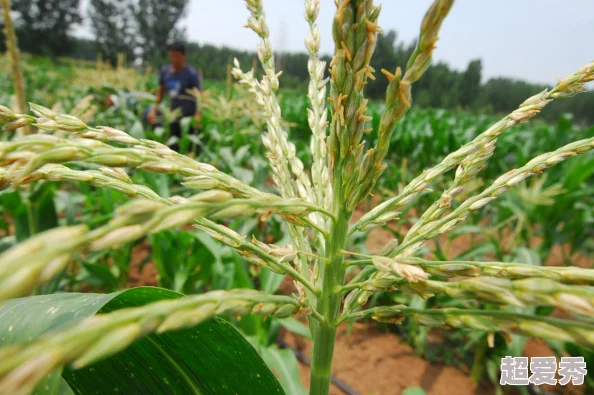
{"x": 305, "y": 212}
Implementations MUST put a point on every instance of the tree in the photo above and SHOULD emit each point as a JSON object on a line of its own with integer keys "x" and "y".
{"x": 389, "y": 54}
{"x": 156, "y": 22}
{"x": 86, "y": 49}
{"x": 470, "y": 84}
{"x": 43, "y": 26}
{"x": 505, "y": 94}
{"x": 112, "y": 22}
{"x": 438, "y": 88}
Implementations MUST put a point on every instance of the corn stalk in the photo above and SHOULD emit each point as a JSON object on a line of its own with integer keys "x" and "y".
{"x": 12, "y": 47}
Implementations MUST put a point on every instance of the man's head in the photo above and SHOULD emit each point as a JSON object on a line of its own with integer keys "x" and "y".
{"x": 177, "y": 55}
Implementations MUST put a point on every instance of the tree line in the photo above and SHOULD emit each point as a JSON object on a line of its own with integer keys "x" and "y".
{"x": 141, "y": 30}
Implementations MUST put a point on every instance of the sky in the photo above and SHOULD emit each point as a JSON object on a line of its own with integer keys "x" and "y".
{"x": 534, "y": 40}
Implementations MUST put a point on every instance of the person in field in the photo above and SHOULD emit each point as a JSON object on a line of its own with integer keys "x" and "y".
{"x": 175, "y": 79}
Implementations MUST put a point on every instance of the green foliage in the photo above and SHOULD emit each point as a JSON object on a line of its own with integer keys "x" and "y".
{"x": 32, "y": 211}
{"x": 414, "y": 391}
{"x": 196, "y": 360}
{"x": 470, "y": 84}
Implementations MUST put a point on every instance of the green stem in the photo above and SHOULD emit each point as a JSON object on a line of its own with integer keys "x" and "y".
{"x": 30, "y": 218}
{"x": 328, "y": 303}
{"x": 297, "y": 276}
{"x": 12, "y": 48}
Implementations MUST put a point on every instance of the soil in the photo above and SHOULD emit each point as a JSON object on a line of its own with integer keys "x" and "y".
{"x": 372, "y": 361}
{"x": 145, "y": 275}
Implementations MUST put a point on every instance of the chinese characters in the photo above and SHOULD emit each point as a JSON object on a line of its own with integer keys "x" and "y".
{"x": 516, "y": 371}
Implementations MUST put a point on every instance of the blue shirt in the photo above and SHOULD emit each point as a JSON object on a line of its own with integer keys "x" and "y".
{"x": 176, "y": 85}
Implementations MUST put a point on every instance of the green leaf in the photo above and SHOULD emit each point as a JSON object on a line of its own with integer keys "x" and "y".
{"x": 544, "y": 310}
{"x": 23, "y": 320}
{"x": 99, "y": 275}
{"x": 7, "y": 242}
{"x": 284, "y": 364}
{"x": 527, "y": 256}
{"x": 465, "y": 229}
{"x": 13, "y": 203}
{"x": 64, "y": 388}
{"x": 293, "y": 325}
{"x": 414, "y": 391}
{"x": 211, "y": 358}
{"x": 271, "y": 281}
{"x": 242, "y": 276}
{"x": 492, "y": 370}
{"x": 477, "y": 252}
{"x": 46, "y": 216}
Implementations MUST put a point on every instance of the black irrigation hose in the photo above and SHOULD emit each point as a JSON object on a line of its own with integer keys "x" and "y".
{"x": 344, "y": 387}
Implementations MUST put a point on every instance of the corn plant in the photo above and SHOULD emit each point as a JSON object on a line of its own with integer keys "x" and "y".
{"x": 317, "y": 205}
{"x": 15, "y": 57}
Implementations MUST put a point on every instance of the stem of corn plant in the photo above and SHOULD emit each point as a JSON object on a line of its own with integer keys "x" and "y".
{"x": 328, "y": 303}
{"x": 15, "y": 59}
{"x": 353, "y": 172}
{"x": 350, "y": 70}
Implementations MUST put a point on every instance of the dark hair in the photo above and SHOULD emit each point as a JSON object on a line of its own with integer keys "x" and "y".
{"x": 178, "y": 47}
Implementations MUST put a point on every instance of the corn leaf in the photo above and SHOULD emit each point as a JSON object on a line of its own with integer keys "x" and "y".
{"x": 212, "y": 357}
